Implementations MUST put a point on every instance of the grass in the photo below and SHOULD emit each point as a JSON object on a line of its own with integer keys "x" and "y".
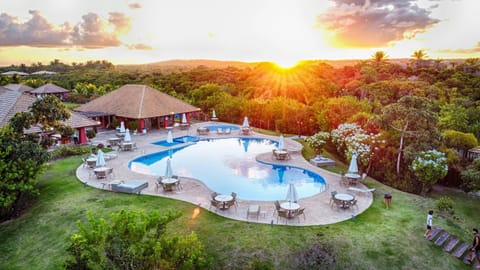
{"x": 377, "y": 239}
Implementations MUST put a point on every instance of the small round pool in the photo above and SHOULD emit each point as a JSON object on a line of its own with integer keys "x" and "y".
{"x": 229, "y": 165}
{"x": 223, "y": 127}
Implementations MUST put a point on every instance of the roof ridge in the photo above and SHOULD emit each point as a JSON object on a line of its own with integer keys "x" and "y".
{"x": 141, "y": 102}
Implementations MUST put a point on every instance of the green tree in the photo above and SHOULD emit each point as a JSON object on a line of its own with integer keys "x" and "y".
{"x": 459, "y": 141}
{"x": 20, "y": 162}
{"x": 454, "y": 117}
{"x": 379, "y": 57}
{"x": 471, "y": 176}
{"x": 49, "y": 112}
{"x": 411, "y": 116}
{"x": 133, "y": 240}
{"x": 429, "y": 167}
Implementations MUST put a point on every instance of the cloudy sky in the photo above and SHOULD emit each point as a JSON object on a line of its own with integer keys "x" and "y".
{"x": 284, "y": 31}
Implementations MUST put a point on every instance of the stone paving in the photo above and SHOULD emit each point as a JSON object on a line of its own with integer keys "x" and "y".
{"x": 318, "y": 210}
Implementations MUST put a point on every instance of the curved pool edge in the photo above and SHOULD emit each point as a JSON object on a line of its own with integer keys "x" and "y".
{"x": 318, "y": 210}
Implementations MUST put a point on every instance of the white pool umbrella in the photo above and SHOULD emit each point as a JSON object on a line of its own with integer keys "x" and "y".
{"x": 168, "y": 170}
{"x": 122, "y": 127}
{"x": 169, "y": 137}
{"x": 127, "y": 137}
{"x": 100, "y": 159}
{"x": 214, "y": 115}
{"x": 281, "y": 143}
{"x": 184, "y": 118}
{"x": 245, "y": 122}
{"x": 353, "y": 167}
{"x": 292, "y": 195}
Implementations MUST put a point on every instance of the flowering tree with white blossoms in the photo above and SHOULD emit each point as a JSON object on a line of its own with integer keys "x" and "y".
{"x": 351, "y": 139}
{"x": 318, "y": 141}
{"x": 429, "y": 166}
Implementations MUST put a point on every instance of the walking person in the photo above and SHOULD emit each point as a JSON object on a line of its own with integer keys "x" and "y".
{"x": 475, "y": 251}
{"x": 429, "y": 224}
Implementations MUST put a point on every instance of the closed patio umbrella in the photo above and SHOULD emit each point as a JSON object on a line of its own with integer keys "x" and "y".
{"x": 214, "y": 115}
{"x": 281, "y": 143}
{"x": 122, "y": 127}
{"x": 353, "y": 168}
{"x": 100, "y": 159}
{"x": 245, "y": 122}
{"x": 168, "y": 170}
{"x": 292, "y": 195}
{"x": 169, "y": 137}
{"x": 127, "y": 137}
{"x": 184, "y": 118}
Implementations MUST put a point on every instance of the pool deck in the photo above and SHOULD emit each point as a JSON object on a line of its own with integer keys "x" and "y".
{"x": 318, "y": 210}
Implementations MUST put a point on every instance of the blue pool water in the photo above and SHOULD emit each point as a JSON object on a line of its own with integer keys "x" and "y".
{"x": 216, "y": 127}
{"x": 227, "y": 165}
{"x": 177, "y": 141}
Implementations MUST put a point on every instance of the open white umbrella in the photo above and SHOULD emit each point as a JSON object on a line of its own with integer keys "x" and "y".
{"x": 127, "y": 137}
{"x": 292, "y": 195}
{"x": 168, "y": 170}
{"x": 245, "y": 122}
{"x": 122, "y": 127}
{"x": 100, "y": 159}
{"x": 169, "y": 137}
{"x": 281, "y": 143}
{"x": 184, "y": 118}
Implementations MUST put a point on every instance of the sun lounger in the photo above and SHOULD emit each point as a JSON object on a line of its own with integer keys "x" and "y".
{"x": 361, "y": 190}
{"x": 133, "y": 186}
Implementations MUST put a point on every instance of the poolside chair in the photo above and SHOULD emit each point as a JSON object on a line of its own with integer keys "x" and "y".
{"x": 283, "y": 214}
{"x": 227, "y": 131}
{"x": 299, "y": 212}
{"x": 228, "y": 204}
{"x": 332, "y": 198}
{"x": 214, "y": 194}
{"x": 178, "y": 184}
{"x": 253, "y": 210}
{"x": 219, "y": 131}
{"x": 215, "y": 204}
{"x": 234, "y": 195}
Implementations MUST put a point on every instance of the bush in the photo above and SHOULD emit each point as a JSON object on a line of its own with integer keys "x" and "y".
{"x": 133, "y": 125}
{"x": 445, "y": 205}
{"x": 67, "y": 150}
{"x": 91, "y": 133}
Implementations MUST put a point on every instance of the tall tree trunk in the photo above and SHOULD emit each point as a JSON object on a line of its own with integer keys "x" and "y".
{"x": 400, "y": 148}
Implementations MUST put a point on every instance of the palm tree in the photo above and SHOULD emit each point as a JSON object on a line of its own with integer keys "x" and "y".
{"x": 379, "y": 56}
{"x": 419, "y": 55}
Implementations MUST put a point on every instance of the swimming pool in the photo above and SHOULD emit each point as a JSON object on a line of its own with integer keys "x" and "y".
{"x": 229, "y": 164}
{"x": 178, "y": 140}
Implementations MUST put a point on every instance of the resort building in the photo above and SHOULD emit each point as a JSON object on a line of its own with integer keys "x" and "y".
{"x": 50, "y": 89}
{"x": 149, "y": 108}
{"x": 13, "y": 101}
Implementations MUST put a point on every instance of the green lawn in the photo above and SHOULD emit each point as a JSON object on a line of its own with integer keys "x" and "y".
{"x": 378, "y": 239}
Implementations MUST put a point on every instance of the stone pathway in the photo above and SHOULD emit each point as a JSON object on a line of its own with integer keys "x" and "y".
{"x": 318, "y": 210}
{"x": 452, "y": 245}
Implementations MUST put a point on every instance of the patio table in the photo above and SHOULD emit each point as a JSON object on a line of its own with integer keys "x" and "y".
{"x": 345, "y": 199}
{"x": 290, "y": 207}
{"x": 223, "y": 198}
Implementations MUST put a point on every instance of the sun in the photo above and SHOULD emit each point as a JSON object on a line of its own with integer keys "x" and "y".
{"x": 286, "y": 63}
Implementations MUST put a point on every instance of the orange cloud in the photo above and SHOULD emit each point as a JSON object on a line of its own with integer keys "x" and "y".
{"x": 92, "y": 32}
{"x": 374, "y": 23}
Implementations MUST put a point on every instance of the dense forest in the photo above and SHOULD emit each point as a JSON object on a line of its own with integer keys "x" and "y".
{"x": 414, "y": 107}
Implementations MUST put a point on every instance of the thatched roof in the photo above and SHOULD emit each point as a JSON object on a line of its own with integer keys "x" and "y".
{"x": 137, "y": 102}
{"x": 49, "y": 88}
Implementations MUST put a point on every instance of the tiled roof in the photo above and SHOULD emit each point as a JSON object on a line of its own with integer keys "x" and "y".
{"x": 137, "y": 102}
{"x": 19, "y": 87}
{"x": 12, "y": 102}
{"x": 49, "y": 88}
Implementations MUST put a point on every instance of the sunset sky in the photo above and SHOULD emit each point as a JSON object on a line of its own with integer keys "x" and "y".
{"x": 144, "y": 31}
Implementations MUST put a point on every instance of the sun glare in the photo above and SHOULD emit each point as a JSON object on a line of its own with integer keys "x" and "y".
{"x": 286, "y": 63}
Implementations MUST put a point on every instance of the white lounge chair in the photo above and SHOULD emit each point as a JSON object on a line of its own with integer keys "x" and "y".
{"x": 361, "y": 190}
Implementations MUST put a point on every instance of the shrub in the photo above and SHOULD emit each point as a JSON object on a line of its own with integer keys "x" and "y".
{"x": 133, "y": 125}
{"x": 91, "y": 133}
{"x": 445, "y": 205}
{"x": 68, "y": 150}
